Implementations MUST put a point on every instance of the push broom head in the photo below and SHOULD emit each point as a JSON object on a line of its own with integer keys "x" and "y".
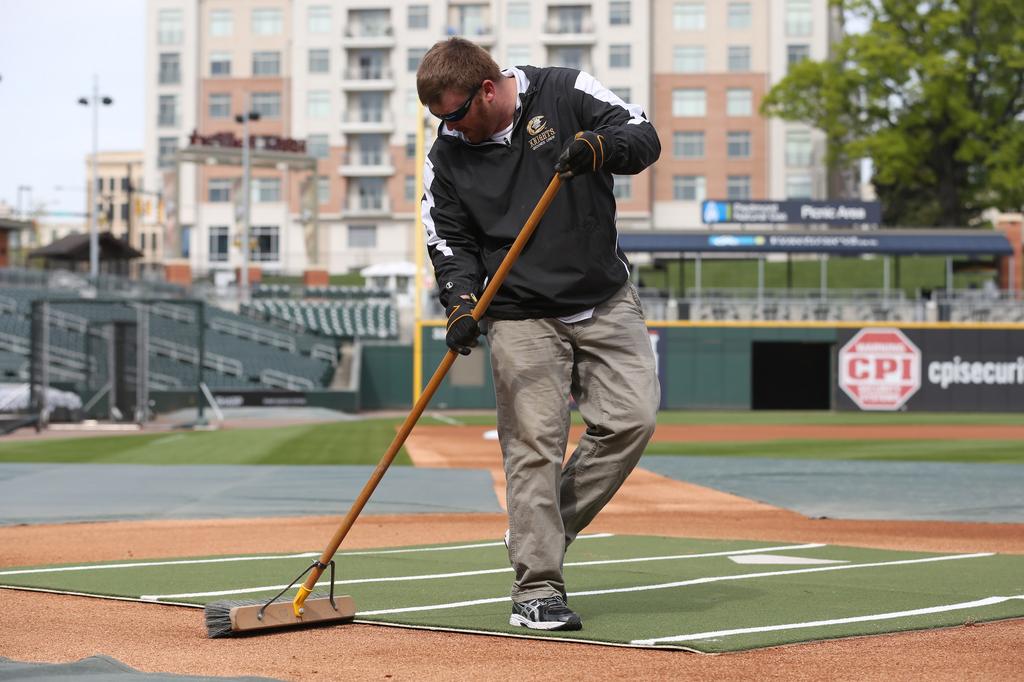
{"x": 232, "y": 618}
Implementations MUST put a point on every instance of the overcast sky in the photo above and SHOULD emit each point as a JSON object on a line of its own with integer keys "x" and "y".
{"x": 49, "y": 52}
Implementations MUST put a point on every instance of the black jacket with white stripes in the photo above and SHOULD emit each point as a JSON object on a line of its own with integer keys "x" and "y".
{"x": 478, "y": 196}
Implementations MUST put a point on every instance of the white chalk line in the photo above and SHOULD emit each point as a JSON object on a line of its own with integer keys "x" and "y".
{"x": 464, "y": 574}
{"x": 682, "y": 583}
{"x": 987, "y": 601}
{"x": 186, "y": 562}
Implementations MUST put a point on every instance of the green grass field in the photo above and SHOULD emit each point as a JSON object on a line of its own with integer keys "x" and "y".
{"x": 355, "y": 442}
{"x": 976, "y": 451}
{"x": 365, "y": 441}
{"x": 708, "y": 595}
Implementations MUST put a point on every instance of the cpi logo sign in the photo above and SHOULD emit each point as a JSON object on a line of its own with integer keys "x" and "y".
{"x": 880, "y": 369}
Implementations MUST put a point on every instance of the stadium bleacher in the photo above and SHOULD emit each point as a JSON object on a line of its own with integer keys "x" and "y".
{"x": 240, "y": 352}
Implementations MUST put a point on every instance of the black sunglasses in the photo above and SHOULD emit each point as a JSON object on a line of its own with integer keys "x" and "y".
{"x": 461, "y": 112}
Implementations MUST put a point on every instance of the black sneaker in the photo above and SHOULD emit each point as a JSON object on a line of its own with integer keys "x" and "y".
{"x": 549, "y": 613}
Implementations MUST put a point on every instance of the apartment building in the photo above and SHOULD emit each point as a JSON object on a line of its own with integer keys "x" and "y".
{"x": 341, "y": 77}
{"x": 713, "y": 62}
{"x": 123, "y": 206}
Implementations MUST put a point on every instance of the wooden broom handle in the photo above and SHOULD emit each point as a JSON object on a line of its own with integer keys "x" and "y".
{"x": 435, "y": 381}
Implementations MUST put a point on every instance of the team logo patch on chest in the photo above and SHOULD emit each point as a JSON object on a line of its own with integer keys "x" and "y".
{"x": 540, "y": 133}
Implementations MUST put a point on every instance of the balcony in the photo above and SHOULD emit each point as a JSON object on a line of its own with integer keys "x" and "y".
{"x": 367, "y": 78}
{"x": 368, "y": 35}
{"x": 481, "y": 35}
{"x": 366, "y": 164}
{"x": 560, "y": 32}
{"x": 355, "y": 121}
{"x": 366, "y": 207}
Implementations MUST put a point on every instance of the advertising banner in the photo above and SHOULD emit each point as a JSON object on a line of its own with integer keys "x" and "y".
{"x": 792, "y": 211}
{"x": 938, "y": 370}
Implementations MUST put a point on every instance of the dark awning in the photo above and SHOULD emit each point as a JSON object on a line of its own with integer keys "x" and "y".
{"x": 75, "y": 247}
{"x": 849, "y": 242}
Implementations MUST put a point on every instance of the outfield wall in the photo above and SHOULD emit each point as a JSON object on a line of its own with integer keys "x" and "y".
{"x": 744, "y": 366}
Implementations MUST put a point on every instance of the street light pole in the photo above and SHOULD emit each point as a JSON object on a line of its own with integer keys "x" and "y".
{"x": 244, "y": 119}
{"x": 94, "y": 239}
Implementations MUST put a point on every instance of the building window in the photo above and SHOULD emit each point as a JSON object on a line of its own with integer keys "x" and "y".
{"x": 264, "y": 243}
{"x": 371, "y": 150}
{"x": 798, "y": 186}
{"x": 569, "y": 57}
{"x": 688, "y": 187}
{"x": 362, "y": 236}
{"x": 798, "y": 148}
{"x": 413, "y": 57}
{"x": 319, "y": 61}
{"x": 737, "y": 187}
{"x": 623, "y": 187}
{"x": 518, "y": 54}
{"x": 169, "y": 27}
{"x": 267, "y": 104}
{"x": 319, "y": 19}
{"x": 469, "y": 20}
{"x": 318, "y": 103}
{"x": 166, "y": 148}
{"x": 689, "y": 102}
{"x": 796, "y": 54}
{"x": 167, "y": 115}
{"x": 220, "y": 64}
{"x": 222, "y": 23}
{"x": 266, "y": 63}
{"x": 688, "y": 59}
{"x": 618, "y": 56}
{"x": 266, "y": 190}
{"x": 124, "y": 211}
{"x": 419, "y": 16}
{"x": 739, "y": 58}
{"x": 619, "y": 13}
{"x": 738, "y": 144}
{"x": 518, "y": 15}
{"x": 170, "y": 68}
{"x": 323, "y": 190}
{"x": 569, "y": 19}
{"x": 688, "y": 16}
{"x": 799, "y": 18}
{"x": 410, "y": 188}
{"x": 370, "y": 192}
{"x": 219, "y": 105}
{"x": 739, "y": 15}
{"x": 218, "y": 190}
{"x": 410, "y": 145}
{"x": 625, "y": 94}
{"x": 266, "y": 21}
{"x": 218, "y": 243}
{"x": 368, "y": 107}
{"x": 739, "y": 102}
{"x": 688, "y": 144}
{"x": 317, "y": 146}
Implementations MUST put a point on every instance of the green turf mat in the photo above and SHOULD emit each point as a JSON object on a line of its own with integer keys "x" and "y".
{"x": 706, "y": 595}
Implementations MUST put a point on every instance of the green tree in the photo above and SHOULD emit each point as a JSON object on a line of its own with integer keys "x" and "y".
{"x": 933, "y": 93}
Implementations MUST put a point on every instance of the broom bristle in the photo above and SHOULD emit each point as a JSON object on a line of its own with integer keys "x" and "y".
{"x": 218, "y": 617}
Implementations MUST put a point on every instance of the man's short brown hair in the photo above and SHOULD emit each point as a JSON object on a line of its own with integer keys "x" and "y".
{"x": 453, "y": 64}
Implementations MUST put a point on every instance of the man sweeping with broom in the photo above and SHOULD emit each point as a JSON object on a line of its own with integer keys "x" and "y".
{"x": 566, "y": 321}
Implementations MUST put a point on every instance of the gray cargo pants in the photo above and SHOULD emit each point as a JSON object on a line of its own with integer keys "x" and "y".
{"x": 607, "y": 364}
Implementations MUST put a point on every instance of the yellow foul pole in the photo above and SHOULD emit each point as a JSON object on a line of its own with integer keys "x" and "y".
{"x": 417, "y": 338}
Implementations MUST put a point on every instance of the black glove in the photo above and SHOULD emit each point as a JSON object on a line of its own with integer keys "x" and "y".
{"x": 584, "y": 154}
{"x": 463, "y": 330}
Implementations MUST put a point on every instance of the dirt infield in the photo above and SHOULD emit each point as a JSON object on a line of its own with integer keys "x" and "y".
{"x": 55, "y": 628}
